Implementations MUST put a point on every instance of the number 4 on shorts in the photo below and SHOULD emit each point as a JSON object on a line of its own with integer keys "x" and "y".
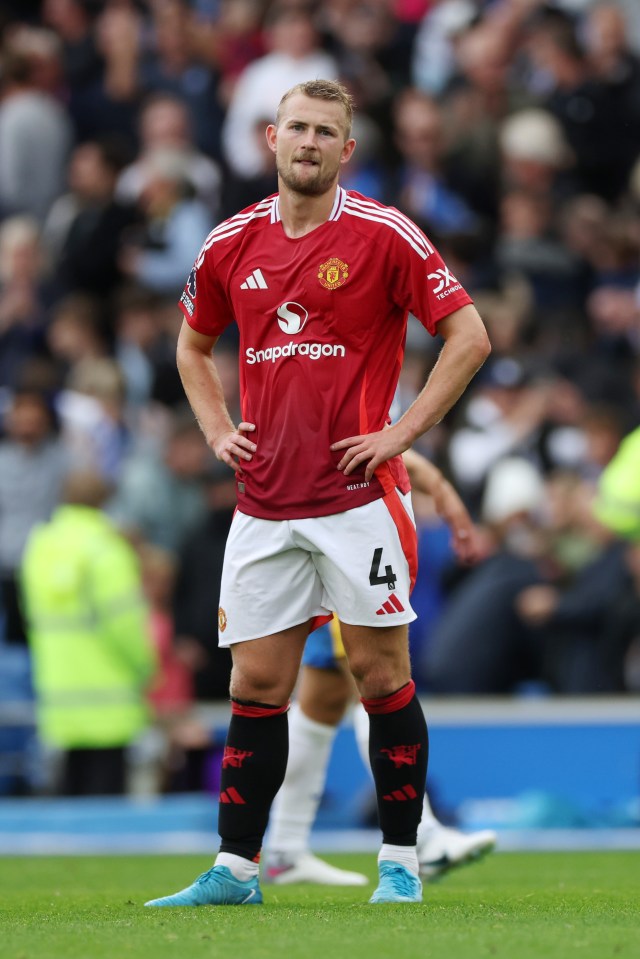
{"x": 374, "y": 576}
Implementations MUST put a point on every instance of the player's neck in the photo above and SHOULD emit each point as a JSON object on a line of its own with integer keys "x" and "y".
{"x": 302, "y": 214}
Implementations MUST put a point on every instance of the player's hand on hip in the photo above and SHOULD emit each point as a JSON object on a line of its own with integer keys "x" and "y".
{"x": 235, "y": 448}
{"x": 370, "y": 448}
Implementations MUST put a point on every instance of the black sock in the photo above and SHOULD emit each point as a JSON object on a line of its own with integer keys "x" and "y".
{"x": 253, "y": 767}
{"x": 399, "y": 751}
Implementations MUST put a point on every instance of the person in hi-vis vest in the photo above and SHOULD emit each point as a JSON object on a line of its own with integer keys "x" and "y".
{"x": 91, "y": 651}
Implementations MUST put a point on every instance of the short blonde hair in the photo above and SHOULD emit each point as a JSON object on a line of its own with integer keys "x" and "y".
{"x": 329, "y": 90}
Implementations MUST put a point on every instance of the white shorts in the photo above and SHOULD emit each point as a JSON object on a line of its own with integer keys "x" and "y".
{"x": 360, "y": 564}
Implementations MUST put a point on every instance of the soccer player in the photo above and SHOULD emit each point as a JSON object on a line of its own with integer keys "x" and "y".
{"x": 319, "y": 281}
{"x": 324, "y": 692}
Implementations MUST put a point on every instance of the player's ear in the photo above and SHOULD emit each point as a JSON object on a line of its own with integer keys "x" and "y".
{"x": 271, "y": 134}
{"x": 347, "y": 150}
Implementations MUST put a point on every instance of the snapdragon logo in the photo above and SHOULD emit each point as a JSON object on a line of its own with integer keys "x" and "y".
{"x": 292, "y": 318}
{"x": 313, "y": 350}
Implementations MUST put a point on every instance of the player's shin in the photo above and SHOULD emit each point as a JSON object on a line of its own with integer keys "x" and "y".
{"x": 398, "y": 752}
{"x": 253, "y": 768}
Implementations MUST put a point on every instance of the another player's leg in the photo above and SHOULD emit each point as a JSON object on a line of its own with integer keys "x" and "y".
{"x": 440, "y": 848}
{"x": 398, "y": 751}
{"x": 323, "y": 693}
{"x": 253, "y": 767}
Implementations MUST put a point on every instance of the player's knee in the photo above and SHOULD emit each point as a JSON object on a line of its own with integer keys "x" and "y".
{"x": 379, "y": 678}
{"x": 258, "y": 687}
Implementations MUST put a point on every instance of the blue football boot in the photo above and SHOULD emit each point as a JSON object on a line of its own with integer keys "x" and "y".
{"x": 215, "y": 887}
{"x": 397, "y": 884}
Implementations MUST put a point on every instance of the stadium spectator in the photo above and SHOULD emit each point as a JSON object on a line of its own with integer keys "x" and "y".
{"x": 479, "y": 645}
{"x": 596, "y": 100}
{"x": 24, "y": 297}
{"x": 33, "y": 464}
{"x": 421, "y": 186}
{"x": 75, "y": 333}
{"x": 88, "y": 634}
{"x": 165, "y": 123}
{"x": 434, "y": 53}
{"x": 569, "y": 615}
{"x": 141, "y": 346}
{"x": 84, "y": 229}
{"x": 294, "y": 55}
{"x": 243, "y": 190}
{"x": 504, "y": 416}
{"x": 91, "y": 408}
{"x": 157, "y": 253}
{"x": 617, "y": 506}
{"x": 171, "y": 692}
{"x": 373, "y": 50}
{"x": 82, "y": 64}
{"x": 35, "y": 131}
{"x": 174, "y": 62}
{"x": 233, "y": 39}
{"x": 159, "y": 498}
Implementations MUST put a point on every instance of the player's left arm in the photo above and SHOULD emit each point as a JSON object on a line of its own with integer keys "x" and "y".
{"x": 427, "y": 478}
{"x": 466, "y": 347}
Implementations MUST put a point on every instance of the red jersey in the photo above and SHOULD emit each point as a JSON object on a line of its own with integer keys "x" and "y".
{"x": 322, "y": 321}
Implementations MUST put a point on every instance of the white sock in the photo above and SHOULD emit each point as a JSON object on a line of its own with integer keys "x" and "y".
{"x": 242, "y": 869}
{"x": 405, "y": 855}
{"x": 361, "y": 732}
{"x": 429, "y": 821}
{"x": 295, "y": 807}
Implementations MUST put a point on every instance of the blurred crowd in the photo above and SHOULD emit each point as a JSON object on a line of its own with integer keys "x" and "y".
{"x": 509, "y": 130}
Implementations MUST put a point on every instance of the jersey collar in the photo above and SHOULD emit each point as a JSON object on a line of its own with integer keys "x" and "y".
{"x": 338, "y": 206}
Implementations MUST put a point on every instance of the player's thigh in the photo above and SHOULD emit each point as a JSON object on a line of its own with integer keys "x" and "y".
{"x": 268, "y": 584}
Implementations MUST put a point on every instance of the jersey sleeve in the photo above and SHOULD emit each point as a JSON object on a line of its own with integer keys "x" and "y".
{"x": 204, "y": 302}
{"x": 421, "y": 281}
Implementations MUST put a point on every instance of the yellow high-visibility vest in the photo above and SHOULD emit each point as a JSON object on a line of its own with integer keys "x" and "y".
{"x": 88, "y": 631}
{"x": 617, "y": 504}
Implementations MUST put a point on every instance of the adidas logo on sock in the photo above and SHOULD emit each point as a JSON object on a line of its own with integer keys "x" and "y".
{"x": 391, "y": 605}
{"x": 255, "y": 281}
{"x": 231, "y": 795}
{"x": 401, "y": 795}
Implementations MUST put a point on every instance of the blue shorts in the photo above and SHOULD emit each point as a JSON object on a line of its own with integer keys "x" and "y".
{"x": 322, "y": 649}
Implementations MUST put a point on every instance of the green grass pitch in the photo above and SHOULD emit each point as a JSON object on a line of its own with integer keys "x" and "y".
{"x": 512, "y": 905}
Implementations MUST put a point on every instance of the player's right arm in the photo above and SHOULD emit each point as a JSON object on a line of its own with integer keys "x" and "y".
{"x": 202, "y": 385}
{"x": 427, "y": 478}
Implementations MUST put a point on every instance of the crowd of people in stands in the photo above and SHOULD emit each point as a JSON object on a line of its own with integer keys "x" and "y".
{"x": 507, "y": 129}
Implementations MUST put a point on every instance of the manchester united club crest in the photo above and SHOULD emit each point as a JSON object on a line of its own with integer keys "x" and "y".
{"x": 402, "y": 755}
{"x": 234, "y": 757}
{"x": 222, "y": 619}
{"x": 333, "y": 273}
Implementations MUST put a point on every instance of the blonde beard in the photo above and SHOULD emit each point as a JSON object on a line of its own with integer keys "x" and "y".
{"x": 317, "y": 187}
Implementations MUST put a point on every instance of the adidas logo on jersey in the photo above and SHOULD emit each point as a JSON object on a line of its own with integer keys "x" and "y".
{"x": 391, "y": 605}
{"x": 255, "y": 281}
